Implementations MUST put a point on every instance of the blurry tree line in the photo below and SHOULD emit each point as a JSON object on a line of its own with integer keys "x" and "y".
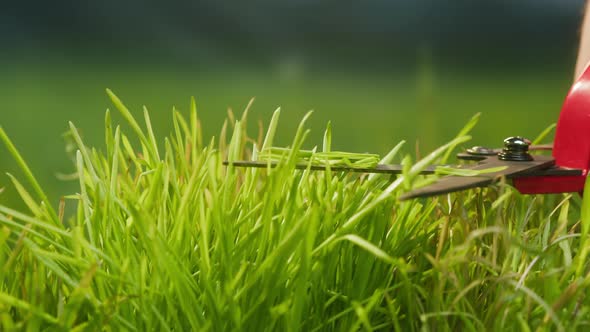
{"x": 458, "y": 30}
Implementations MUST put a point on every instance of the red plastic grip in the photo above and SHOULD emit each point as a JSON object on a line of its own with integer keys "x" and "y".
{"x": 571, "y": 147}
{"x": 549, "y": 184}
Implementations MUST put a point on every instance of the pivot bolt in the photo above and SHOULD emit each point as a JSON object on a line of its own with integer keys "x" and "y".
{"x": 516, "y": 148}
{"x": 481, "y": 151}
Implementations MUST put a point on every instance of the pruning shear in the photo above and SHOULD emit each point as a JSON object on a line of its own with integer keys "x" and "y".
{"x": 563, "y": 172}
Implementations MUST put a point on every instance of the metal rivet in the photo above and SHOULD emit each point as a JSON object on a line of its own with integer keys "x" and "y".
{"x": 481, "y": 151}
{"x": 515, "y": 149}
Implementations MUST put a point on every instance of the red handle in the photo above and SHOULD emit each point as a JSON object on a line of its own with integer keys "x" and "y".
{"x": 571, "y": 147}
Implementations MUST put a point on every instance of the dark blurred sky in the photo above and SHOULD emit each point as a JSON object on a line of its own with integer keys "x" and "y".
{"x": 378, "y": 30}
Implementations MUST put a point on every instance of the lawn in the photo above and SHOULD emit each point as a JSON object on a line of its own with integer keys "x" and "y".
{"x": 370, "y": 111}
{"x": 153, "y": 232}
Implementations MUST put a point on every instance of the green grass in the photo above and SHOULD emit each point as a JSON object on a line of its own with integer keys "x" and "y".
{"x": 164, "y": 237}
{"x": 423, "y": 105}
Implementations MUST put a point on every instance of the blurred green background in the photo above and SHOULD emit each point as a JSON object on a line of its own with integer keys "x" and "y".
{"x": 381, "y": 71}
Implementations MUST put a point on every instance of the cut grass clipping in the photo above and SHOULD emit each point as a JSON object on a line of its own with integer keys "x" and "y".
{"x": 164, "y": 237}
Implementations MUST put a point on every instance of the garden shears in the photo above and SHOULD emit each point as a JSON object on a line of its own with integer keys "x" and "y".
{"x": 563, "y": 172}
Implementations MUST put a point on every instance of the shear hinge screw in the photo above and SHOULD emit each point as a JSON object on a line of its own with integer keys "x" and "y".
{"x": 481, "y": 151}
{"x": 516, "y": 148}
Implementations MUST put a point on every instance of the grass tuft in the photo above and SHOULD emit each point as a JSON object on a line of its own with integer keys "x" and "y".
{"x": 164, "y": 237}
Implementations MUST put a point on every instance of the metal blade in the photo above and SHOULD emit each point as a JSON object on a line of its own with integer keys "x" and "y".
{"x": 381, "y": 168}
{"x": 449, "y": 184}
